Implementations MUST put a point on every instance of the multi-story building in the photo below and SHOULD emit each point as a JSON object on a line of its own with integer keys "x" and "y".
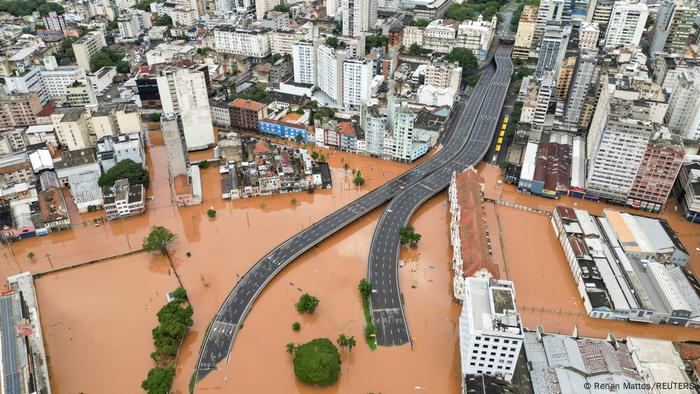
{"x": 359, "y": 16}
{"x": 87, "y": 46}
{"x": 618, "y": 149}
{"x": 627, "y": 23}
{"x": 672, "y": 27}
{"x": 657, "y": 172}
{"x": 123, "y": 200}
{"x": 19, "y": 109}
{"x": 262, "y": 7}
{"x": 304, "y": 58}
{"x": 52, "y": 205}
{"x": 442, "y": 35}
{"x": 526, "y": 32}
{"x": 443, "y": 75}
{"x": 72, "y": 128}
{"x": 185, "y": 181}
{"x": 566, "y": 72}
{"x": 588, "y": 35}
{"x": 553, "y": 48}
{"x": 57, "y": 79}
{"x": 254, "y": 43}
{"x": 579, "y": 87}
{"x": 55, "y": 21}
{"x": 548, "y": 11}
{"x": 184, "y": 91}
{"x": 29, "y": 81}
{"x": 245, "y": 114}
{"x": 402, "y": 133}
{"x": 413, "y": 35}
{"x": 80, "y": 93}
{"x": 683, "y": 115}
{"x": 599, "y": 11}
{"x": 15, "y": 168}
{"x": 282, "y": 41}
{"x": 689, "y": 190}
{"x": 374, "y": 125}
{"x": 329, "y": 73}
{"x": 490, "y": 329}
{"x": 476, "y": 36}
{"x": 132, "y": 24}
{"x": 113, "y": 149}
{"x": 357, "y": 82}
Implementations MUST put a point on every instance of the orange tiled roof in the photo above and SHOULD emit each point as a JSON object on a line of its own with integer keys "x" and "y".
{"x": 247, "y": 104}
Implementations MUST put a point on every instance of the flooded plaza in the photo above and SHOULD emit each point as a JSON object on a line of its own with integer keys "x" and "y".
{"x": 97, "y": 319}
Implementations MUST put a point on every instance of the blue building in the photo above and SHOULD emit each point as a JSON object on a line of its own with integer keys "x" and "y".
{"x": 278, "y": 129}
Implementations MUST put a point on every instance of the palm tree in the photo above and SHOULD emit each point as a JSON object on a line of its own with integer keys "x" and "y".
{"x": 291, "y": 348}
{"x": 350, "y": 343}
{"x": 342, "y": 340}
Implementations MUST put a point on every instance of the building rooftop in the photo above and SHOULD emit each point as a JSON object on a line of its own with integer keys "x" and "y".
{"x": 247, "y": 104}
{"x": 491, "y": 307}
{"x": 75, "y": 158}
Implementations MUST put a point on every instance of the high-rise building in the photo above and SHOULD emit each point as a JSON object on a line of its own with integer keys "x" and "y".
{"x": 19, "y": 109}
{"x": 683, "y": 115}
{"x": 304, "y": 62}
{"x": 374, "y": 124}
{"x": 359, "y": 16}
{"x": 618, "y": 148}
{"x": 87, "y": 46}
{"x": 566, "y": 72}
{"x": 658, "y": 170}
{"x": 588, "y": 35}
{"x": 579, "y": 87}
{"x": 402, "y": 132}
{"x": 672, "y": 27}
{"x": 490, "y": 329}
{"x": 54, "y": 21}
{"x": 184, "y": 92}
{"x": 599, "y": 12}
{"x": 443, "y": 75}
{"x": 553, "y": 48}
{"x": 254, "y": 43}
{"x": 262, "y": 7}
{"x": 526, "y": 32}
{"x": 548, "y": 11}
{"x": 357, "y": 82}
{"x": 626, "y": 25}
{"x": 329, "y": 75}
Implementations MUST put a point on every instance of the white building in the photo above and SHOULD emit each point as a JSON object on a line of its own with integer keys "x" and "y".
{"x": 683, "y": 114}
{"x": 359, "y": 16}
{"x": 56, "y": 80}
{"x": 443, "y": 75}
{"x": 626, "y": 25}
{"x": 402, "y": 133}
{"x": 123, "y": 200}
{"x": 111, "y": 150}
{"x": 490, "y": 330}
{"x": 329, "y": 75}
{"x": 588, "y": 35}
{"x": 132, "y": 24}
{"x": 87, "y": 46}
{"x": 304, "y": 62}
{"x": 374, "y": 125}
{"x": 254, "y": 43}
{"x": 357, "y": 81}
{"x": 184, "y": 92}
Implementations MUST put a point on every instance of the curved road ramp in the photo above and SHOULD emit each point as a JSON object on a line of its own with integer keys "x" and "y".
{"x": 227, "y": 321}
{"x": 386, "y": 305}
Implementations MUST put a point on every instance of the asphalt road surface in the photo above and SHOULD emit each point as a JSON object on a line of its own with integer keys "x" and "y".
{"x": 385, "y": 302}
{"x": 229, "y": 319}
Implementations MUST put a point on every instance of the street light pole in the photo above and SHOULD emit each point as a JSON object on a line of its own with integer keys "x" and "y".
{"x": 48, "y": 256}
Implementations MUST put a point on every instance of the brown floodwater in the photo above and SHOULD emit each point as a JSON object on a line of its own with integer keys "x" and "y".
{"x": 97, "y": 322}
{"x": 226, "y": 246}
{"x": 331, "y": 272}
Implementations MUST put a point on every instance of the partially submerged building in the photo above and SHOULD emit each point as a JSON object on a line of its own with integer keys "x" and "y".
{"x": 628, "y": 267}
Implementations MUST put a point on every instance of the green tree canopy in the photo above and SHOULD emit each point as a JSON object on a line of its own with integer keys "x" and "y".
{"x": 307, "y": 303}
{"x": 365, "y": 288}
{"x": 317, "y": 362}
{"x": 158, "y": 240}
{"x": 281, "y": 8}
{"x": 332, "y": 41}
{"x": 165, "y": 20}
{"x": 420, "y": 22}
{"x": 159, "y": 380}
{"x": 415, "y": 49}
{"x": 125, "y": 169}
{"x": 376, "y": 40}
{"x": 408, "y": 236}
{"x": 27, "y": 7}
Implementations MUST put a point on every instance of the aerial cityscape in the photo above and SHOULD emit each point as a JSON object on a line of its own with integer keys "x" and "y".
{"x": 350, "y": 196}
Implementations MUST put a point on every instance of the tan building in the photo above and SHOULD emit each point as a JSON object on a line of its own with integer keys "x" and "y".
{"x": 566, "y": 71}
{"x": 72, "y": 129}
{"x": 443, "y": 75}
{"x": 19, "y": 109}
{"x": 245, "y": 114}
{"x": 87, "y": 46}
{"x": 15, "y": 168}
{"x": 525, "y": 33}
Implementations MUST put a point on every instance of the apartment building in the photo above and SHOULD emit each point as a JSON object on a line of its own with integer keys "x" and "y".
{"x": 15, "y": 168}
{"x": 374, "y": 124}
{"x": 19, "y": 109}
{"x": 245, "y": 114}
{"x": 54, "y": 21}
{"x": 490, "y": 329}
{"x": 672, "y": 27}
{"x": 442, "y": 35}
{"x": 254, "y": 43}
{"x": 683, "y": 115}
{"x": 579, "y": 87}
{"x": 124, "y": 200}
{"x": 525, "y": 33}
{"x": 627, "y": 22}
{"x": 304, "y": 58}
{"x": 113, "y": 149}
{"x": 588, "y": 35}
{"x": 442, "y": 75}
{"x": 689, "y": 190}
{"x": 657, "y": 172}
{"x": 329, "y": 73}
{"x": 87, "y": 46}
{"x": 184, "y": 92}
{"x": 553, "y": 48}
{"x": 359, "y": 16}
{"x": 71, "y": 125}
{"x": 357, "y": 82}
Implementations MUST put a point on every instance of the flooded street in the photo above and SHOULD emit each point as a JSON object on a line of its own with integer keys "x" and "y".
{"x": 98, "y": 319}
{"x": 332, "y": 272}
